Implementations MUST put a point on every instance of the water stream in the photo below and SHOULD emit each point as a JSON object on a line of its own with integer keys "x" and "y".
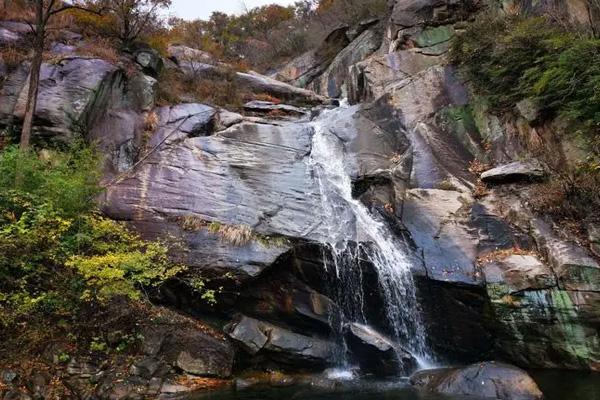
{"x": 354, "y": 236}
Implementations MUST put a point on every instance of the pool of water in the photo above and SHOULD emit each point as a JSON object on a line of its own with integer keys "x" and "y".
{"x": 556, "y": 385}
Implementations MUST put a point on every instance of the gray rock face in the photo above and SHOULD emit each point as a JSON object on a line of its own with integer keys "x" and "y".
{"x": 66, "y": 96}
{"x": 304, "y": 69}
{"x": 176, "y": 123}
{"x": 519, "y": 272}
{"x": 408, "y": 13}
{"x": 439, "y": 224}
{"x": 256, "y": 175}
{"x": 377, "y": 354}
{"x": 210, "y": 256}
{"x": 575, "y": 268}
{"x": 380, "y": 164}
{"x": 514, "y": 172}
{"x": 258, "y": 337}
{"x": 486, "y": 380}
{"x": 330, "y": 82}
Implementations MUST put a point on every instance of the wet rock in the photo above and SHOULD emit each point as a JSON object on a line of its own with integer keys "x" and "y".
{"x": 187, "y": 345}
{"x": 535, "y": 321}
{"x": 284, "y": 297}
{"x": 377, "y": 354}
{"x": 515, "y": 172}
{"x": 438, "y": 221}
{"x": 199, "y": 354}
{"x": 487, "y": 380}
{"x": 258, "y": 337}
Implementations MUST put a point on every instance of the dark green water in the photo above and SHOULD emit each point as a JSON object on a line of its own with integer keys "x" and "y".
{"x": 556, "y": 385}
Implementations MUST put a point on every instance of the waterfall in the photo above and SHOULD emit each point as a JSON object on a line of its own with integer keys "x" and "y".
{"x": 354, "y": 235}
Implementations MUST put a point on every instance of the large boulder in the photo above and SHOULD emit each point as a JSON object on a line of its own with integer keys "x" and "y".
{"x": 515, "y": 172}
{"x": 263, "y": 84}
{"x": 332, "y": 81}
{"x": 541, "y": 317}
{"x": 304, "y": 69}
{"x": 377, "y": 354}
{"x": 259, "y": 338}
{"x": 68, "y": 93}
{"x": 574, "y": 266}
{"x": 489, "y": 380}
{"x": 517, "y": 273}
{"x": 187, "y": 345}
{"x": 13, "y": 32}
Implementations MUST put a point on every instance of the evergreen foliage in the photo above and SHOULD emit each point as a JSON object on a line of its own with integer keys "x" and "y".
{"x": 512, "y": 58}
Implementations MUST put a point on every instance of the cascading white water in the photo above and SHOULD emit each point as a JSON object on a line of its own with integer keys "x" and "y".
{"x": 354, "y": 233}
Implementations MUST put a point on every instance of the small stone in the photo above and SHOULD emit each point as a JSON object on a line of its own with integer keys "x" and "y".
{"x": 8, "y": 376}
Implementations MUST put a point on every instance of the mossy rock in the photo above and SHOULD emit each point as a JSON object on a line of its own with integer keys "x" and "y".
{"x": 434, "y": 36}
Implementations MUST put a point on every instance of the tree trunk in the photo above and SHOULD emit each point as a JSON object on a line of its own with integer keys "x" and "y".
{"x": 34, "y": 76}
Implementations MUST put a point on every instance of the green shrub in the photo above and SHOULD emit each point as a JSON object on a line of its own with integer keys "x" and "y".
{"x": 68, "y": 181}
{"x": 58, "y": 255}
{"x": 512, "y": 58}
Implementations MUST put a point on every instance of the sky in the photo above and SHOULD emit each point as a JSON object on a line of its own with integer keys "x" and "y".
{"x": 194, "y": 9}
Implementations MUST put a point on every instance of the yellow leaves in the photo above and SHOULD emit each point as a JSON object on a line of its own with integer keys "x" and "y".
{"x": 125, "y": 273}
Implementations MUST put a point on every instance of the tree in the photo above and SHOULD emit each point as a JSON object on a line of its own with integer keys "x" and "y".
{"x": 44, "y": 11}
{"x": 132, "y": 18}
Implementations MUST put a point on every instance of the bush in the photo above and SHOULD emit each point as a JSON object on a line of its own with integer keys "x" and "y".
{"x": 571, "y": 196}
{"x": 67, "y": 181}
{"x": 218, "y": 88}
{"x": 510, "y": 59}
{"x": 58, "y": 254}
